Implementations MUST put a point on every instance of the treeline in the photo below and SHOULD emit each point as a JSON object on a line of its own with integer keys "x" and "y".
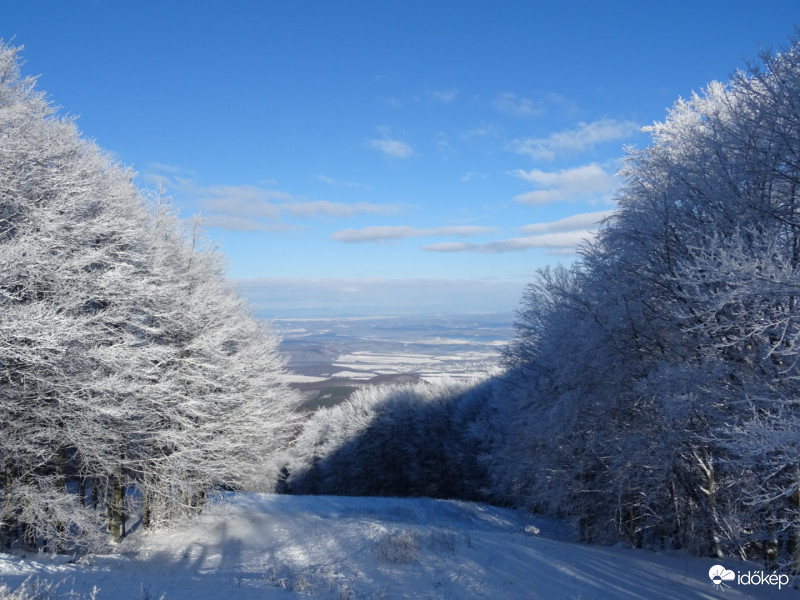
{"x": 129, "y": 369}
{"x": 652, "y": 391}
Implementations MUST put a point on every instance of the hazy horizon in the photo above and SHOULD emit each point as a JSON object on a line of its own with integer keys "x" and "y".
{"x": 276, "y": 298}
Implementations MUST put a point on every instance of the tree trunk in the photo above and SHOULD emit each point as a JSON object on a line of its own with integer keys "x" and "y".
{"x": 794, "y": 530}
{"x": 146, "y": 510}
{"x": 679, "y": 541}
{"x": 7, "y": 521}
{"x": 710, "y": 491}
{"x": 82, "y": 490}
{"x": 116, "y": 512}
{"x": 198, "y": 502}
{"x": 95, "y": 493}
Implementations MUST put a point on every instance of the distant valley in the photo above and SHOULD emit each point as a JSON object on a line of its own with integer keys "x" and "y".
{"x": 330, "y": 358}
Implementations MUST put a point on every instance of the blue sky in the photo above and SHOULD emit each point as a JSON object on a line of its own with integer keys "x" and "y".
{"x": 341, "y": 152}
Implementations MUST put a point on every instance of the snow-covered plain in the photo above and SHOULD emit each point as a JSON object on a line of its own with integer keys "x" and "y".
{"x": 257, "y": 546}
{"x": 365, "y": 365}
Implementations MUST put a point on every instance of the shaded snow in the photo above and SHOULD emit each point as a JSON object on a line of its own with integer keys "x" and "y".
{"x": 267, "y": 546}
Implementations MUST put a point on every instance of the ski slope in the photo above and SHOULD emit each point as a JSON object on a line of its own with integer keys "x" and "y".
{"x": 261, "y": 546}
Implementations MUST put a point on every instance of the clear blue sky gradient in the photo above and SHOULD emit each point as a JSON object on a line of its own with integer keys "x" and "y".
{"x": 351, "y": 143}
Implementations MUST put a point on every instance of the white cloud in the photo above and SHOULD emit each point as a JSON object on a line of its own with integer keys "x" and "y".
{"x": 572, "y": 141}
{"x": 487, "y": 131}
{"x": 255, "y": 208}
{"x": 242, "y": 200}
{"x": 324, "y": 208}
{"x": 399, "y": 232}
{"x": 171, "y": 169}
{"x": 561, "y": 237}
{"x": 248, "y": 214}
{"x": 248, "y": 211}
{"x": 157, "y": 179}
{"x": 443, "y": 145}
{"x": 559, "y": 242}
{"x": 567, "y": 184}
{"x": 513, "y": 105}
{"x": 240, "y": 223}
{"x": 391, "y": 148}
{"x": 328, "y": 180}
{"x": 170, "y": 177}
{"x": 473, "y": 176}
{"x": 582, "y": 221}
{"x": 338, "y": 183}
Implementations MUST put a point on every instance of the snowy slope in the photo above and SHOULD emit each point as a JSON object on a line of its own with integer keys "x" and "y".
{"x": 266, "y": 546}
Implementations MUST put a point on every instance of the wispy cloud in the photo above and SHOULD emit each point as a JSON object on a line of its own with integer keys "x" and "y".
{"x": 394, "y": 102}
{"x": 399, "y": 232}
{"x": 171, "y": 169}
{"x": 586, "y": 181}
{"x": 323, "y": 208}
{"x": 445, "y": 96}
{"x": 169, "y": 177}
{"x": 256, "y": 208}
{"x": 516, "y": 106}
{"x": 240, "y": 223}
{"x": 484, "y": 131}
{"x": 560, "y": 242}
{"x": 390, "y": 147}
{"x": 333, "y": 182}
{"x": 573, "y": 141}
{"x": 250, "y": 200}
{"x": 563, "y": 236}
{"x": 443, "y": 145}
{"x": 579, "y": 222}
{"x": 473, "y": 176}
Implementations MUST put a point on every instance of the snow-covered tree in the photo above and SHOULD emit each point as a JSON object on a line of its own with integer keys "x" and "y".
{"x": 397, "y": 440}
{"x": 659, "y": 375}
{"x": 127, "y": 363}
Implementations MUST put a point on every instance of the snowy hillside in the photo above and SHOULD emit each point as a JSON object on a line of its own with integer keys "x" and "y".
{"x": 266, "y": 546}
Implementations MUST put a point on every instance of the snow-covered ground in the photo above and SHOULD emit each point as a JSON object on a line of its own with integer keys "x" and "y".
{"x": 259, "y": 546}
{"x": 365, "y": 365}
